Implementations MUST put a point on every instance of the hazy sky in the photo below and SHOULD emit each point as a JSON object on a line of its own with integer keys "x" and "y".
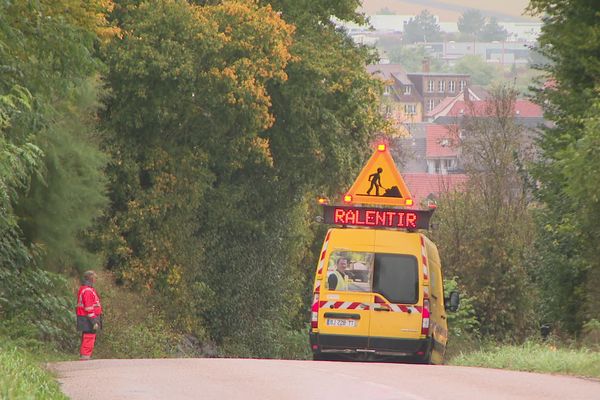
{"x": 450, "y": 10}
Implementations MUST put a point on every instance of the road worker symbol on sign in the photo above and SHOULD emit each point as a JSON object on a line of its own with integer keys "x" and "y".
{"x": 379, "y": 182}
{"x": 375, "y": 180}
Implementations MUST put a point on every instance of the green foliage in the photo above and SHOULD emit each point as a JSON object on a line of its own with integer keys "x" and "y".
{"x": 64, "y": 203}
{"x": 36, "y": 306}
{"x": 47, "y": 59}
{"x": 23, "y": 378}
{"x": 473, "y": 26}
{"x": 422, "y": 28}
{"x": 463, "y": 323}
{"x": 411, "y": 58}
{"x": 471, "y": 23}
{"x": 19, "y": 162}
{"x": 535, "y": 357}
{"x": 303, "y": 12}
{"x": 134, "y": 326}
{"x": 481, "y": 72}
{"x": 570, "y": 41}
{"x": 591, "y": 334}
{"x": 271, "y": 340}
{"x": 181, "y": 147}
{"x": 493, "y": 32}
{"x": 219, "y": 127}
{"x": 489, "y": 256}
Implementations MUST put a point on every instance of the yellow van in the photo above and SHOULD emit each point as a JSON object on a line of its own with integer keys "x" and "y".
{"x": 378, "y": 294}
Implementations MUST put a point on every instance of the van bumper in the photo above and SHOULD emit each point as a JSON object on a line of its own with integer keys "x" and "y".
{"x": 347, "y": 344}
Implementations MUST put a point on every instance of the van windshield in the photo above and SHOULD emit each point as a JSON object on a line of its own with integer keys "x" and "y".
{"x": 395, "y": 276}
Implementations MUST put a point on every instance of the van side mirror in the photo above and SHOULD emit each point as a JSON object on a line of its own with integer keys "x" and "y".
{"x": 452, "y": 302}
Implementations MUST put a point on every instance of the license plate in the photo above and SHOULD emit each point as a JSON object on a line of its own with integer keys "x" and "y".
{"x": 348, "y": 323}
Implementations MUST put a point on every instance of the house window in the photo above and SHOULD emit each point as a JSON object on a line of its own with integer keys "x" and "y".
{"x": 430, "y": 104}
{"x": 430, "y": 86}
{"x": 441, "y": 86}
{"x": 462, "y": 85}
{"x": 388, "y": 110}
{"x": 452, "y": 86}
{"x": 407, "y": 89}
{"x": 442, "y": 165}
{"x": 410, "y": 109}
{"x": 387, "y": 90}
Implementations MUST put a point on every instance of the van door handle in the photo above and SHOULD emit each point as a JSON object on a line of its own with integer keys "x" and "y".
{"x": 381, "y": 309}
{"x": 341, "y": 315}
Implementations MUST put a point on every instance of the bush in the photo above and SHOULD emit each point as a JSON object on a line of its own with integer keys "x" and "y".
{"x": 133, "y": 326}
{"x": 591, "y": 334}
{"x": 37, "y": 306}
{"x": 463, "y": 325}
{"x": 268, "y": 341}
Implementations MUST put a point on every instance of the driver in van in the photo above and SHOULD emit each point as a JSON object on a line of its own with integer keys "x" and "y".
{"x": 338, "y": 280}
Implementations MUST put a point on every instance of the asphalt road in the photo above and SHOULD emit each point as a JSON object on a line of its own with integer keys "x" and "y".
{"x": 248, "y": 379}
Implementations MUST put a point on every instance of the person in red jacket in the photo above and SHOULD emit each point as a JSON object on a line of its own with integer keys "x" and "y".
{"x": 89, "y": 314}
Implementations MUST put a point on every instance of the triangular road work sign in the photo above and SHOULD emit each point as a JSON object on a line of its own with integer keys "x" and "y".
{"x": 379, "y": 182}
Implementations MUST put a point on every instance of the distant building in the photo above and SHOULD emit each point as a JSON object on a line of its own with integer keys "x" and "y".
{"x": 429, "y": 161}
{"x": 401, "y": 102}
{"x": 522, "y": 31}
{"x": 526, "y": 113}
{"x": 426, "y": 188}
{"x": 433, "y": 87}
{"x": 409, "y": 96}
{"x": 505, "y": 53}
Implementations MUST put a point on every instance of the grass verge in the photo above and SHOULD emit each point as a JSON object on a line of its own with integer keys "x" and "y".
{"x": 23, "y": 377}
{"x": 534, "y": 357}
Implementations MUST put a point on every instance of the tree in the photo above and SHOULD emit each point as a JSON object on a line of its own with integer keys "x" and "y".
{"x": 492, "y": 32}
{"x": 189, "y": 98}
{"x": 411, "y": 58}
{"x": 471, "y": 23}
{"x": 568, "y": 250}
{"x": 220, "y": 127}
{"x": 51, "y": 180}
{"x": 422, "y": 28}
{"x": 19, "y": 162}
{"x": 481, "y": 73}
{"x": 479, "y": 238}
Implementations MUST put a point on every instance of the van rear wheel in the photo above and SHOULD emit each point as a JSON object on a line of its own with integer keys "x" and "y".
{"x": 424, "y": 359}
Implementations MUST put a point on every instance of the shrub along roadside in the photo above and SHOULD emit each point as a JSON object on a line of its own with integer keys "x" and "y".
{"x": 535, "y": 357}
{"x": 23, "y": 377}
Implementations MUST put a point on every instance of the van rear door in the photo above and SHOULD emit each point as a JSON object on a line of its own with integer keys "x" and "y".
{"x": 343, "y": 315}
{"x": 397, "y": 309}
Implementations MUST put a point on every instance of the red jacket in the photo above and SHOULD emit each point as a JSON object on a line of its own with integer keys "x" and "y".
{"x": 88, "y": 302}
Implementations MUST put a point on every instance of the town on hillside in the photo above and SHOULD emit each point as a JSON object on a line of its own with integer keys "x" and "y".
{"x": 435, "y": 73}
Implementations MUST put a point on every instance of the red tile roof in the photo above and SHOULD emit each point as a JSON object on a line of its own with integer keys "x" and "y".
{"x": 442, "y": 105}
{"x": 475, "y": 93}
{"x": 422, "y": 184}
{"x": 523, "y": 108}
{"x": 441, "y": 142}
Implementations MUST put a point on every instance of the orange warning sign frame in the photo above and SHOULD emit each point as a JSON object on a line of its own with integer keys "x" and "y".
{"x": 379, "y": 182}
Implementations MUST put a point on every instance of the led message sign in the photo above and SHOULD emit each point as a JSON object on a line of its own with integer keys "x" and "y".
{"x": 377, "y": 217}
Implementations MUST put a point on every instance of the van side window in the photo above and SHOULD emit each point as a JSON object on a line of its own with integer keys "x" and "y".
{"x": 396, "y": 278}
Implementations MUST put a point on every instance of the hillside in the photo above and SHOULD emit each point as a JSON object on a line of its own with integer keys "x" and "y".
{"x": 450, "y": 10}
